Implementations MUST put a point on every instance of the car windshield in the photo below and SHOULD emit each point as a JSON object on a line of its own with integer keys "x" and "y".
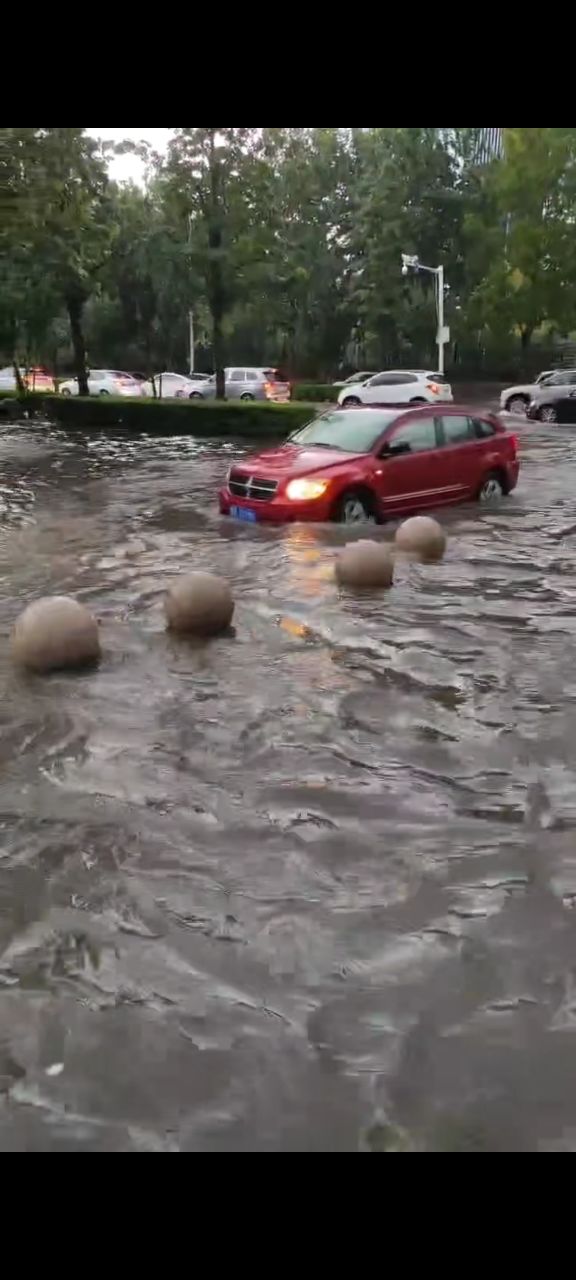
{"x": 354, "y": 432}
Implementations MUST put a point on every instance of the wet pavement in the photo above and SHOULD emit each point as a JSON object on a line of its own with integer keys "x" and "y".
{"x": 311, "y": 886}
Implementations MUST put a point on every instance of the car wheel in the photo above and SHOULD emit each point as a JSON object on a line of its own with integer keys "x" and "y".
{"x": 104, "y": 393}
{"x": 518, "y": 405}
{"x": 195, "y": 395}
{"x": 492, "y": 488}
{"x": 247, "y": 397}
{"x": 355, "y": 508}
{"x": 548, "y": 413}
{"x": 419, "y": 400}
{"x": 66, "y": 393}
{"x": 352, "y": 402}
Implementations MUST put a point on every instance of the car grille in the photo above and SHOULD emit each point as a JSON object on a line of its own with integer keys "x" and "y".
{"x": 252, "y": 487}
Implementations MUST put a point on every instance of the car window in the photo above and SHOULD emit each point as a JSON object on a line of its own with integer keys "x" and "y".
{"x": 437, "y": 377}
{"x": 394, "y": 380}
{"x": 483, "y": 430}
{"x": 559, "y": 380}
{"x": 96, "y": 376}
{"x": 353, "y": 431}
{"x": 238, "y": 375}
{"x": 253, "y": 376}
{"x": 457, "y": 430}
{"x": 572, "y": 379}
{"x": 420, "y": 435}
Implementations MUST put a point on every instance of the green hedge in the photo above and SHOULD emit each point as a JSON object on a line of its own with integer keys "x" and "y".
{"x": 28, "y": 397}
{"x": 315, "y": 392}
{"x": 175, "y": 417}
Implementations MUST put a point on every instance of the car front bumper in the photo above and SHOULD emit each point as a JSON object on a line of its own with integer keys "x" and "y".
{"x": 279, "y": 511}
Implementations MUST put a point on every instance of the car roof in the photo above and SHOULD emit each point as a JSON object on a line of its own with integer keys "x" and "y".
{"x": 419, "y": 373}
{"x": 401, "y": 409}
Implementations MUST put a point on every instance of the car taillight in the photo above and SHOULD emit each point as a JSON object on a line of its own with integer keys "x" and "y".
{"x": 269, "y": 389}
{"x": 434, "y": 388}
{"x": 515, "y": 442}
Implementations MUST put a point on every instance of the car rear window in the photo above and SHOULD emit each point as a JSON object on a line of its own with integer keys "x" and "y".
{"x": 483, "y": 430}
{"x": 275, "y": 375}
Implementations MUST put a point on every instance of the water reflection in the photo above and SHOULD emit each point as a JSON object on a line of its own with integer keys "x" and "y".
{"x": 310, "y": 887}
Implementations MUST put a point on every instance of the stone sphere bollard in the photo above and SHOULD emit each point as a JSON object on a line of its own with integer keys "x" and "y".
{"x": 200, "y": 604}
{"x": 365, "y": 564}
{"x": 55, "y": 633}
{"x": 422, "y": 537}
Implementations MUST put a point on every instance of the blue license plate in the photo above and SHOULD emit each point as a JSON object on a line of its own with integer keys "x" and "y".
{"x": 244, "y": 513}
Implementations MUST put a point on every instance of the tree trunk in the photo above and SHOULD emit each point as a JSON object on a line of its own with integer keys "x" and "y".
{"x": 20, "y": 386}
{"x": 75, "y": 307}
{"x": 526, "y": 337}
{"x": 219, "y": 358}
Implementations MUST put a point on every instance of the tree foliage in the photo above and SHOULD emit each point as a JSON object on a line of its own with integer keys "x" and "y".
{"x": 286, "y": 244}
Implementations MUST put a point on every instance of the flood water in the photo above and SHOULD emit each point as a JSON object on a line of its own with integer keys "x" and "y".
{"x": 310, "y": 886}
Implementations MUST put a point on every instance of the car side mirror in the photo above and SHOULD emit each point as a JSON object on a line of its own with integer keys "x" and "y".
{"x": 395, "y": 450}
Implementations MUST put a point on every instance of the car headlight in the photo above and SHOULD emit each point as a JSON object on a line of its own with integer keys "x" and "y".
{"x": 306, "y": 490}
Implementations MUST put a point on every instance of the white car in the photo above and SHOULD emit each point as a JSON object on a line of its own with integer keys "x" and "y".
{"x": 32, "y": 380}
{"x": 8, "y": 380}
{"x": 174, "y": 386}
{"x": 407, "y": 386}
{"x": 105, "y": 382}
{"x": 517, "y": 400}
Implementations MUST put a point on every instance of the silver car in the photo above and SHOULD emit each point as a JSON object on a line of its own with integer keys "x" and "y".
{"x": 518, "y": 399}
{"x": 248, "y": 384}
{"x": 105, "y": 382}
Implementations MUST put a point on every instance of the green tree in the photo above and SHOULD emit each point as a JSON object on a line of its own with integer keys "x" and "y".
{"x": 214, "y": 183}
{"x": 405, "y": 198}
{"x": 524, "y": 228}
{"x": 302, "y": 297}
{"x": 58, "y": 226}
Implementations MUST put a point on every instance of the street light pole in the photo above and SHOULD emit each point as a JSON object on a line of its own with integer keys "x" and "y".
{"x": 441, "y": 325}
{"x": 412, "y": 263}
{"x": 191, "y": 333}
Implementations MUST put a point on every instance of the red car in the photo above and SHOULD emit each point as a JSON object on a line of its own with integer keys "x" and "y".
{"x": 353, "y": 465}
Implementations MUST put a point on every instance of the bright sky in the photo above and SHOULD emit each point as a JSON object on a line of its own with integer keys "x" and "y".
{"x": 130, "y": 166}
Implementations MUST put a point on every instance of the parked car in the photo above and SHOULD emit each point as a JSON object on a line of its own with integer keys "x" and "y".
{"x": 518, "y": 399}
{"x": 173, "y": 386}
{"x": 408, "y": 386}
{"x": 355, "y": 380}
{"x": 555, "y": 402}
{"x": 33, "y": 379}
{"x": 353, "y": 465}
{"x": 105, "y": 382}
{"x": 248, "y": 384}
